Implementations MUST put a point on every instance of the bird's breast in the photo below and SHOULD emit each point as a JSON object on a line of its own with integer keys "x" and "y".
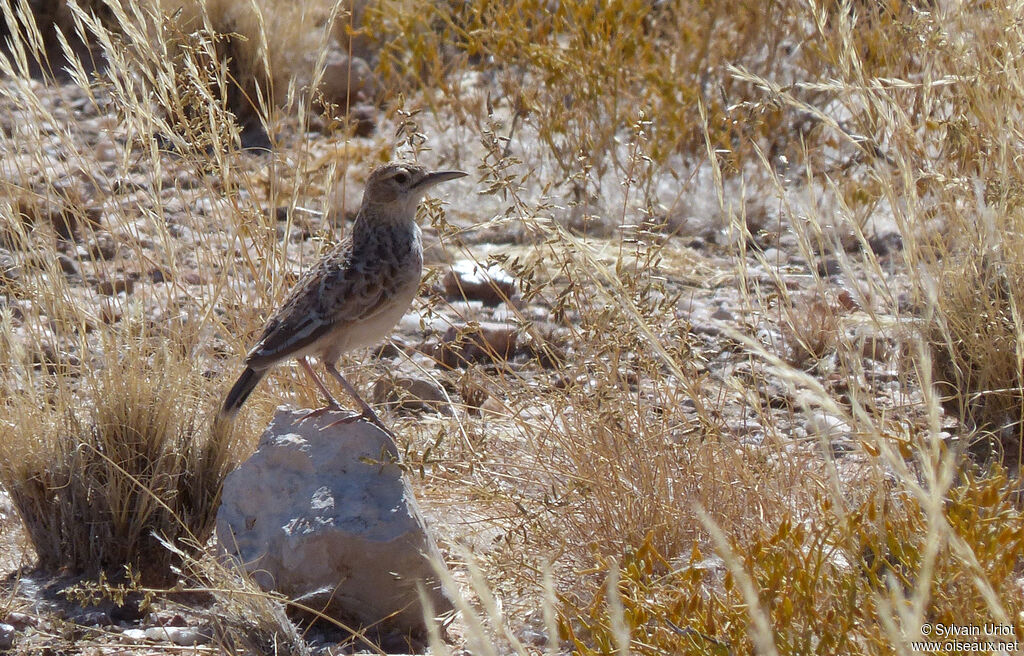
{"x": 392, "y": 268}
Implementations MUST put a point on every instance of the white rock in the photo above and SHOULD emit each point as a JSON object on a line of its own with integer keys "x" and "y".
{"x": 775, "y": 257}
{"x": 828, "y": 426}
{"x": 134, "y": 635}
{"x": 326, "y": 516}
{"x": 184, "y": 636}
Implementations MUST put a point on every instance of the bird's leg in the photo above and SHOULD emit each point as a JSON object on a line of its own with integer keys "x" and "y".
{"x": 332, "y": 404}
{"x": 367, "y": 413}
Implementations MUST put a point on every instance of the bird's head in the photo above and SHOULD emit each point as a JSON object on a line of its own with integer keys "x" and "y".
{"x": 398, "y": 188}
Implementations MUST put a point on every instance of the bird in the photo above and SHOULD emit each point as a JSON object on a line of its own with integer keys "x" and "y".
{"x": 354, "y": 295}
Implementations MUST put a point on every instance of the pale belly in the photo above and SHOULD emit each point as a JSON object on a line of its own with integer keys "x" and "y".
{"x": 374, "y": 330}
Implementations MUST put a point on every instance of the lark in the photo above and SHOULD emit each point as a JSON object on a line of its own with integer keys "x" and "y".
{"x": 354, "y": 295}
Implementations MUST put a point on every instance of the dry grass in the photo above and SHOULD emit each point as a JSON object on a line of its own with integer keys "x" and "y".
{"x": 99, "y": 480}
{"x": 791, "y": 474}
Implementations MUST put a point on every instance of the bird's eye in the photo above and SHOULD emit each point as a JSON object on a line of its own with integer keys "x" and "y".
{"x": 401, "y": 177}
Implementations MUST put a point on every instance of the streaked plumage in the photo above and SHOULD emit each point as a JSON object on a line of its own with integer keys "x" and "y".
{"x": 356, "y": 293}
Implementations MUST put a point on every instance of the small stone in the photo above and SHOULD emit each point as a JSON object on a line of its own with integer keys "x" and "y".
{"x": 829, "y": 266}
{"x": 22, "y": 621}
{"x": 875, "y": 347}
{"x": 110, "y": 311}
{"x": 6, "y": 636}
{"x": 721, "y": 314}
{"x": 485, "y": 342}
{"x": 775, "y": 257}
{"x": 846, "y": 299}
{"x": 67, "y": 265}
{"x": 493, "y": 407}
{"x": 826, "y": 425}
{"x": 134, "y": 635}
{"x": 124, "y": 284}
{"x": 192, "y": 278}
{"x": 886, "y": 243}
{"x": 10, "y": 270}
{"x": 468, "y": 280}
{"x": 183, "y": 636}
{"x": 102, "y": 246}
{"x": 346, "y": 80}
{"x": 54, "y": 359}
{"x": 411, "y": 394}
{"x": 364, "y": 116}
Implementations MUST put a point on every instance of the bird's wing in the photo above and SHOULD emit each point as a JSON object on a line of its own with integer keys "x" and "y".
{"x": 332, "y": 292}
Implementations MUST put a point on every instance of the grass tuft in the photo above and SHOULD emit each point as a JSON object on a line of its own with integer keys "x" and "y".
{"x": 100, "y": 481}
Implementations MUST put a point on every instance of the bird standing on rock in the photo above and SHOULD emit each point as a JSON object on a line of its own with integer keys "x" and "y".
{"x": 355, "y": 294}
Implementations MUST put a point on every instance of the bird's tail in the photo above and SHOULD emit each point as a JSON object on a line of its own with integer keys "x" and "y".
{"x": 241, "y": 390}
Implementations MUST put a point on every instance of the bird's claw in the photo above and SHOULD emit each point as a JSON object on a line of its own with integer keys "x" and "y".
{"x": 346, "y": 420}
{"x": 312, "y": 414}
{"x": 361, "y": 416}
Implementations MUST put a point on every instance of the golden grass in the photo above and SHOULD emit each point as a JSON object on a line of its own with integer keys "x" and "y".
{"x": 610, "y": 482}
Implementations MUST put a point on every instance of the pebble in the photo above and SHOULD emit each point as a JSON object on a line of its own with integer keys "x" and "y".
{"x": 193, "y": 277}
{"x": 483, "y": 342}
{"x": 67, "y": 265}
{"x": 886, "y": 244}
{"x": 114, "y": 287}
{"x": 874, "y": 346}
{"x": 6, "y": 636}
{"x": 134, "y": 635}
{"x": 775, "y": 257}
{"x": 493, "y": 407}
{"x": 829, "y": 266}
{"x": 826, "y": 425}
{"x": 468, "y": 280}
{"x": 183, "y": 636}
{"x": 101, "y": 246}
{"x": 10, "y": 270}
{"x": 54, "y": 359}
{"x": 22, "y": 620}
{"x": 110, "y": 311}
{"x": 411, "y": 394}
{"x": 721, "y": 314}
{"x": 345, "y": 79}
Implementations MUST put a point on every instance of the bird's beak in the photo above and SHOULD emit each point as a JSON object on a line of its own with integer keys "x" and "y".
{"x": 431, "y": 179}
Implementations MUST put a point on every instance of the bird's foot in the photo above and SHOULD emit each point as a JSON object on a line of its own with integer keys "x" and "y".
{"x": 352, "y": 418}
{"x": 312, "y": 414}
{"x": 366, "y": 415}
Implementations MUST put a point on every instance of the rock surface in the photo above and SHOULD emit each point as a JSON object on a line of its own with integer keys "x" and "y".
{"x": 469, "y": 280}
{"x": 325, "y": 515}
{"x": 411, "y": 394}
